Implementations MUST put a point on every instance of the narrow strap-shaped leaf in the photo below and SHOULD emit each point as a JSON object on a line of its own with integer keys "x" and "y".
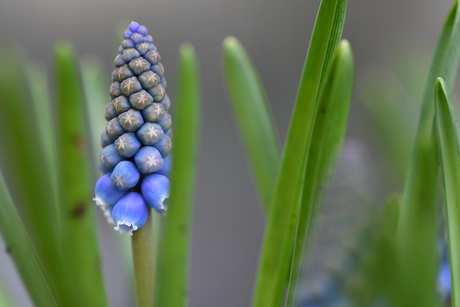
{"x": 172, "y": 277}
{"x": 278, "y": 243}
{"x": 22, "y": 251}
{"x": 418, "y": 223}
{"x": 25, "y": 158}
{"x": 449, "y": 149}
{"x": 82, "y": 269}
{"x": 253, "y": 116}
{"x": 326, "y": 138}
{"x": 93, "y": 77}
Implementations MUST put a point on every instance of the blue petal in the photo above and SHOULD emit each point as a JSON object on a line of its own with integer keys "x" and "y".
{"x": 130, "y": 213}
{"x": 125, "y": 175}
{"x": 106, "y": 193}
{"x": 155, "y": 189}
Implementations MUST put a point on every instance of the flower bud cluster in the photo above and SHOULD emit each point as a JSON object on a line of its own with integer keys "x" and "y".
{"x": 136, "y": 142}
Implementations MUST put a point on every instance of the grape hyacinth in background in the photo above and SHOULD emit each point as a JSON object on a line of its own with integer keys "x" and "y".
{"x": 136, "y": 143}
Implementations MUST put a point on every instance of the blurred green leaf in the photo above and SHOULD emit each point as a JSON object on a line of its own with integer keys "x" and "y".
{"x": 325, "y": 142}
{"x": 274, "y": 264}
{"x": 172, "y": 277}
{"x": 96, "y": 97}
{"x": 418, "y": 223}
{"x": 254, "y": 117}
{"x": 449, "y": 149}
{"x": 26, "y": 160}
{"x": 384, "y": 96}
{"x": 22, "y": 252}
{"x": 82, "y": 268}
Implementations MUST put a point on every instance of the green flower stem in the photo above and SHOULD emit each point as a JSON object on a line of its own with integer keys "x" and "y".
{"x": 144, "y": 263}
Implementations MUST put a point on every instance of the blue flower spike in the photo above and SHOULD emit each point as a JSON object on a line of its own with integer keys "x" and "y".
{"x": 136, "y": 142}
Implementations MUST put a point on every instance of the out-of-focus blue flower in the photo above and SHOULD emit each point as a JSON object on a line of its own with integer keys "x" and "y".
{"x": 137, "y": 139}
{"x": 130, "y": 213}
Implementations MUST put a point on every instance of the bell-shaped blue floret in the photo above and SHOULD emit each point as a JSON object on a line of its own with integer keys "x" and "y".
{"x": 157, "y": 92}
{"x": 131, "y": 85}
{"x": 109, "y": 111}
{"x": 130, "y": 213}
{"x": 110, "y": 157}
{"x": 140, "y": 100}
{"x": 166, "y": 169}
{"x": 155, "y": 189}
{"x": 148, "y": 79}
{"x": 125, "y": 175}
{"x": 154, "y": 112}
{"x": 121, "y": 104}
{"x": 148, "y": 160}
{"x": 165, "y": 122}
{"x": 133, "y": 26}
{"x": 105, "y": 140}
{"x": 150, "y": 133}
{"x": 103, "y": 169}
{"x": 106, "y": 194}
{"x": 114, "y": 129}
{"x": 127, "y": 144}
{"x": 164, "y": 145}
{"x": 131, "y": 120}
{"x": 166, "y": 102}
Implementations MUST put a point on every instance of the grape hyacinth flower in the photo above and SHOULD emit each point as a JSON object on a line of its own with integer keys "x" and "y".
{"x": 136, "y": 142}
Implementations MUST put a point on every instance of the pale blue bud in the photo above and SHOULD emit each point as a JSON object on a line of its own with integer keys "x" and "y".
{"x": 127, "y": 145}
{"x": 148, "y": 160}
{"x": 110, "y": 157}
{"x": 125, "y": 175}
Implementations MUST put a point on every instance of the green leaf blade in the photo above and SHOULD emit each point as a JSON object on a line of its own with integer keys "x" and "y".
{"x": 418, "y": 223}
{"x": 82, "y": 269}
{"x": 25, "y": 158}
{"x": 326, "y": 139}
{"x": 22, "y": 251}
{"x": 449, "y": 149}
{"x": 172, "y": 276}
{"x": 254, "y": 117}
{"x": 278, "y": 243}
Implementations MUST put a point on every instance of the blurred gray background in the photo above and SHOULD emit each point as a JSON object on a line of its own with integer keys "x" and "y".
{"x": 228, "y": 220}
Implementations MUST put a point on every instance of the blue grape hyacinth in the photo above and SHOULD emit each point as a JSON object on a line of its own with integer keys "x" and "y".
{"x": 136, "y": 142}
